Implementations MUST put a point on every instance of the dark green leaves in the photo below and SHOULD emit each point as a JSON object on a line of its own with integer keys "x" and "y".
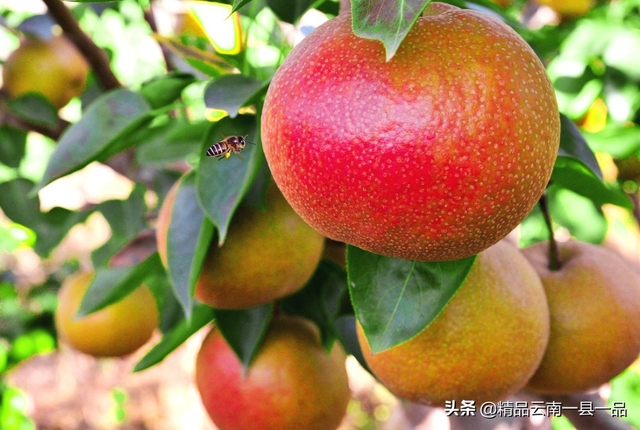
{"x": 231, "y": 92}
{"x": 12, "y": 146}
{"x": 188, "y": 239}
{"x": 388, "y": 22}
{"x": 35, "y": 108}
{"x": 165, "y": 89}
{"x": 289, "y": 11}
{"x": 319, "y": 301}
{"x": 222, "y": 183}
{"x": 244, "y": 329}
{"x": 396, "y": 299}
{"x": 572, "y": 144}
{"x": 98, "y": 134}
{"x": 201, "y": 316}
{"x": 112, "y": 285}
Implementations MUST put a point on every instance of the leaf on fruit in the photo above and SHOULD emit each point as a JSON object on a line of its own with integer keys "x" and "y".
{"x": 97, "y": 135}
{"x": 231, "y": 92}
{"x": 188, "y": 240}
{"x": 348, "y": 336}
{"x": 201, "y": 316}
{"x": 222, "y": 183}
{"x": 126, "y": 219}
{"x": 289, "y": 11}
{"x": 244, "y": 330}
{"x": 320, "y": 300}
{"x": 396, "y": 299}
{"x": 35, "y": 108}
{"x": 573, "y": 175}
{"x": 12, "y": 146}
{"x": 573, "y": 144}
{"x": 165, "y": 89}
{"x": 388, "y": 22}
{"x": 112, "y": 285}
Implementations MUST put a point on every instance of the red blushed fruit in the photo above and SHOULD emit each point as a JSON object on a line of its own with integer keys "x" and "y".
{"x": 435, "y": 155}
{"x": 292, "y": 384}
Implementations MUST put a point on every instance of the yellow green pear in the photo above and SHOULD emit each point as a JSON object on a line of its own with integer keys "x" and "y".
{"x": 594, "y": 303}
{"x": 484, "y": 346}
{"x": 53, "y": 68}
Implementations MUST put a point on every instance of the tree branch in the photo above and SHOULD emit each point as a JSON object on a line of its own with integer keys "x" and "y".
{"x": 345, "y": 6}
{"x": 95, "y": 55}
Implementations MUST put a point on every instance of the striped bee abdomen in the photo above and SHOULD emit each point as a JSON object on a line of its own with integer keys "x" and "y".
{"x": 217, "y": 149}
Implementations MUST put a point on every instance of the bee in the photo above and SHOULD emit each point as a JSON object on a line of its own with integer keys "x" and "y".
{"x": 228, "y": 145}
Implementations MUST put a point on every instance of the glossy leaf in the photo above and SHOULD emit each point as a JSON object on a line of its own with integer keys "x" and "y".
{"x": 397, "y": 299}
{"x": 320, "y": 299}
{"x": 171, "y": 313}
{"x": 126, "y": 218}
{"x": 12, "y": 146}
{"x": 244, "y": 329}
{"x": 222, "y": 183}
{"x": 35, "y": 108}
{"x": 165, "y": 89}
{"x": 96, "y": 135}
{"x": 201, "y": 316}
{"x": 112, "y": 285}
{"x": 388, "y": 22}
{"x": 188, "y": 239}
{"x": 232, "y": 92}
{"x": 573, "y": 175}
{"x": 573, "y": 144}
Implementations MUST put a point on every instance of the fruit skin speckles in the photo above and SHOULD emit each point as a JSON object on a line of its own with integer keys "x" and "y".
{"x": 435, "y": 155}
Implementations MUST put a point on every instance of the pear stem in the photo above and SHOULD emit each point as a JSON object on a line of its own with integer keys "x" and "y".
{"x": 554, "y": 257}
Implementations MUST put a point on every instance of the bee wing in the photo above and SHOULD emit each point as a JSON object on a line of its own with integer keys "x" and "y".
{"x": 239, "y": 156}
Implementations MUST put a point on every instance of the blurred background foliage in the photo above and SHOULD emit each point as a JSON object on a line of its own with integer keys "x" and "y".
{"x": 220, "y": 67}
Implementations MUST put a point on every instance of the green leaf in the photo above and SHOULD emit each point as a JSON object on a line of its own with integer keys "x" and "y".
{"x": 573, "y": 175}
{"x": 617, "y": 141}
{"x": 165, "y": 89}
{"x": 188, "y": 240}
{"x": 237, "y": 4}
{"x": 388, "y": 22}
{"x": 35, "y": 108}
{"x": 95, "y": 137}
{"x": 170, "y": 142}
{"x": 16, "y": 205}
{"x": 346, "y": 329}
{"x": 222, "y": 183}
{"x": 573, "y": 144}
{"x": 54, "y": 225}
{"x": 126, "y": 218}
{"x": 50, "y": 227}
{"x": 320, "y": 299}
{"x": 289, "y": 11}
{"x": 12, "y": 146}
{"x": 244, "y": 329}
{"x": 584, "y": 219}
{"x": 112, "y": 285}
{"x": 397, "y": 299}
{"x": 231, "y": 92}
{"x": 171, "y": 313}
{"x": 201, "y": 316}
